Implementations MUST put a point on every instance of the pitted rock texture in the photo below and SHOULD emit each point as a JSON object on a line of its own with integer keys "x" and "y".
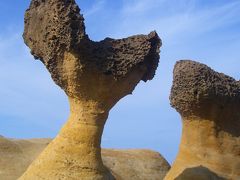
{"x": 209, "y": 103}
{"x": 53, "y": 27}
{"x": 197, "y": 85}
{"x": 94, "y": 75}
{"x": 135, "y": 164}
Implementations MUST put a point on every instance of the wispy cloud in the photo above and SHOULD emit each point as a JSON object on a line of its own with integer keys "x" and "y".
{"x": 140, "y": 6}
{"x": 96, "y": 7}
{"x": 182, "y": 19}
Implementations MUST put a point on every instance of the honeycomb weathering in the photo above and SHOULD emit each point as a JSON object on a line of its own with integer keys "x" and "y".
{"x": 209, "y": 104}
{"x": 196, "y": 85}
{"x": 53, "y": 27}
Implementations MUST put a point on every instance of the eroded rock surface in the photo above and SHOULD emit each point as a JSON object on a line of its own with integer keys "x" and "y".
{"x": 209, "y": 103}
{"x": 137, "y": 164}
{"x": 94, "y": 75}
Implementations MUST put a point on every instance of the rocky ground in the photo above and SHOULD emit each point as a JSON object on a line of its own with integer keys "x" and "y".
{"x": 16, "y": 155}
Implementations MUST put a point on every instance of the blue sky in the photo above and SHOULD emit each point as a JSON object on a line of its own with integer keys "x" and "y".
{"x": 32, "y": 105}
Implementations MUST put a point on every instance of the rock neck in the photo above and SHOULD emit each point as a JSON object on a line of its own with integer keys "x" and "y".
{"x": 207, "y": 142}
{"x": 85, "y": 126}
{"x": 206, "y": 136}
{"x": 76, "y": 151}
{"x": 83, "y": 132}
{"x": 88, "y": 112}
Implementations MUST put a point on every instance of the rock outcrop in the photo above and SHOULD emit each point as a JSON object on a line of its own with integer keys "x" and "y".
{"x": 209, "y": 103}
{"x": 137, "y": 164}
{"x": 94, "y": 75}
{"x": 16, "y": 155}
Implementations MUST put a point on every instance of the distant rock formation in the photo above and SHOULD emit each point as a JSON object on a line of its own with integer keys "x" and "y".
{"x": 136, "y": 164}
{"x": 94, "y": 75}
{"x": 17, "y": 155}
{"x": 209, "y": 103}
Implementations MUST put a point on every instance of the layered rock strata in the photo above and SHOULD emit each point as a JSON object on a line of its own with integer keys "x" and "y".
{"x": 94, "y": 75}
{"x": 209, "y": 103}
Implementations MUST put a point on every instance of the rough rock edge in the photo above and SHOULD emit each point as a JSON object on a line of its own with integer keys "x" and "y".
{"x": 55, "y": 26}
{"x": 196, "y": 86}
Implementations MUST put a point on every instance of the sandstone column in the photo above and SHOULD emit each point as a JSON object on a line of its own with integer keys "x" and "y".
{"x": 94, "y": 75}
{"x": 209, "y": 103}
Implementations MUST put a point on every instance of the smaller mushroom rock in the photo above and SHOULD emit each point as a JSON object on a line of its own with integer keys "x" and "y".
{"x": 209, "y": 104}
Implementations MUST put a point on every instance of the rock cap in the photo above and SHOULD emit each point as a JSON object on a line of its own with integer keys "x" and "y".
{"x": 197, "y": 88}
{"x": 53, "y": 27}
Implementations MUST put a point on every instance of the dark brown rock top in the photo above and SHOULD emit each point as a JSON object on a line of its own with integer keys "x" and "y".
{"x": 53, "y": 27}
{"x": 198, "y": 90}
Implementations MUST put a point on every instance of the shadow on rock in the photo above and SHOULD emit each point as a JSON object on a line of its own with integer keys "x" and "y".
{"x": 198, "y": 173}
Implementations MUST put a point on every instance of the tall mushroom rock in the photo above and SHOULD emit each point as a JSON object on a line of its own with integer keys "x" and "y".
{"x": 209, "y": 103}
{"x": 94, "y": 75}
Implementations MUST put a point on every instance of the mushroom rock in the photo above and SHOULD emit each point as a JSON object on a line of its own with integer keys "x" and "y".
{"x": 209, "y": 104}
{"x": 94, "y": 76}
{"x": 135, "y": 164}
